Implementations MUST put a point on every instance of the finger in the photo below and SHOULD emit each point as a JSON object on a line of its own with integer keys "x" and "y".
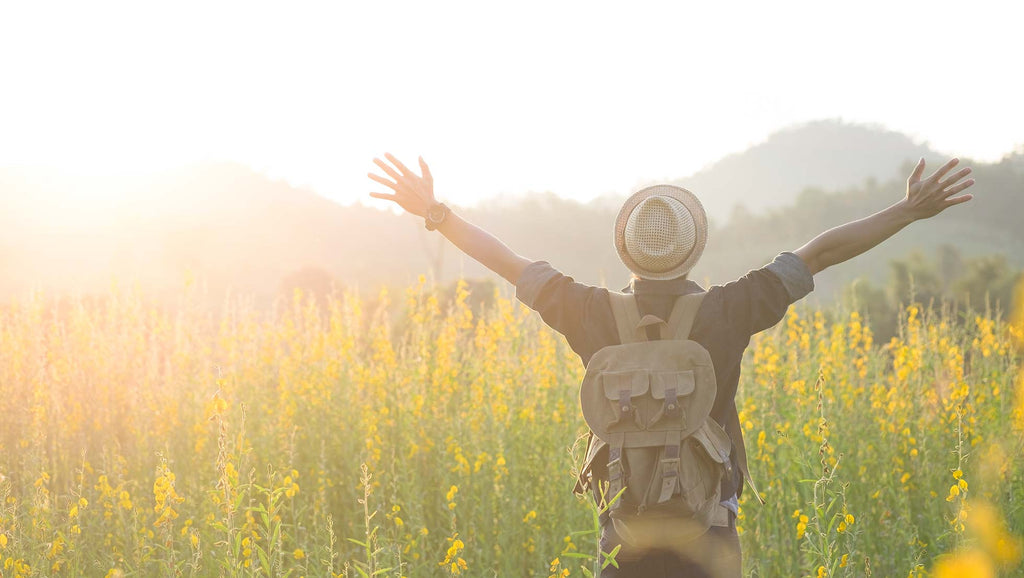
{"x": 387, "y": 169}
{"x": 958, "y": 200}
{"x": 918, "y": 171}
{"x": 383, "y": 181}
{"x": 385, "y": 196}
{"x": 957, "y": 188}
{"x": 944, "y": 169}
{"x": 426, "y": 171}
{"x": 955, "y": 177}
{"x": 405, "y": 170}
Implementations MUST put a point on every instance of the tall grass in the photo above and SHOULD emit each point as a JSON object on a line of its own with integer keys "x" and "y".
{"x": 343, "y": 441}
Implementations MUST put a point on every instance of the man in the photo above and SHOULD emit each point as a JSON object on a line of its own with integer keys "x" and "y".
{"x": 660, "y": 234}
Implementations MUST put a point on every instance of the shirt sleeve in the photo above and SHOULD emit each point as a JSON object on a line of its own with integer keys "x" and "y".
{"x": 566, "y": 306}
{"x": 759, "y": 299}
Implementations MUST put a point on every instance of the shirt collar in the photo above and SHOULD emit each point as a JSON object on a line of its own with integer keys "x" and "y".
{"x": 677, "y": 286}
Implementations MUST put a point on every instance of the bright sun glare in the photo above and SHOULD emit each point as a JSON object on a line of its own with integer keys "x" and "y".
{"x": 581, "y": 99}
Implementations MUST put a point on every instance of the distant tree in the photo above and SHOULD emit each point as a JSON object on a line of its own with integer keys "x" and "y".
{"x": 987, "y": 280}
{"x": 914, "y": 279}
{"x": 312, "y": 282}
{"x": 951, "y": 266}
{"x": 874, "y": 304}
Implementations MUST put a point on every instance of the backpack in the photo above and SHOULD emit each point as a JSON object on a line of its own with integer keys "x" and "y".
{"x": 648, "y": 406}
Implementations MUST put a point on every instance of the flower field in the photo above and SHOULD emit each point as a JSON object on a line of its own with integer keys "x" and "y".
{"x": 404, "y": 435}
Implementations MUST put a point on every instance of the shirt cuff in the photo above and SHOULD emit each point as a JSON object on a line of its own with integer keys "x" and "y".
{"x": 532, "y": 280}
{"x": 794, "y": 274}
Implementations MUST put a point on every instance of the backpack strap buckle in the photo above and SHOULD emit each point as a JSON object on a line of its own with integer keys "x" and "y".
{"x": 616, "y": 471}
{"x": 672, "y": 407}
{"x": 625, "y": 401}
{"x": 726, "y": 462}
{"x": 669, "y": 467}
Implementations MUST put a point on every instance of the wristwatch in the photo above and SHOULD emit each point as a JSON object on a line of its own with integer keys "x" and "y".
{"x": 436, "y": 214}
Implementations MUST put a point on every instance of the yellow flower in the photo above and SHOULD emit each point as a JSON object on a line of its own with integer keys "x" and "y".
{"x": 299, "y": 554}
{"x": 954, "y": 491}
{"x": 970, "y": 563}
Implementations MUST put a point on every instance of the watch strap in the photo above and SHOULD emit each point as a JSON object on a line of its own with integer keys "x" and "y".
{"x": 430, "y": 222}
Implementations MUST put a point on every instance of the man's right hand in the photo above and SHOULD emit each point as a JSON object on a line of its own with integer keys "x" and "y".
{"x": 413, "y": 193}
{"x": 929, "y": 197}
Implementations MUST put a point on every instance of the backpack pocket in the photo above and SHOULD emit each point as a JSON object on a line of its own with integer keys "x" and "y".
{"x": 669, "y": 390}
{"x": 620, "y": 389}
{"x": 700, "y": 479}
{"x": 703, "y": 462}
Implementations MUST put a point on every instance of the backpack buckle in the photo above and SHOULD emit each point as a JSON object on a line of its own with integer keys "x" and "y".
{"x": 726, "y": 462}
{"x": 669, "y": 478}
{"x": 616, "y": 473}
{"x": 672, "y": 408}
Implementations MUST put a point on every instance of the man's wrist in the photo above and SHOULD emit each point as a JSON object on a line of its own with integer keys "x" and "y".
{"x": 436, "y": 215}
{"x": 903, "y": 213}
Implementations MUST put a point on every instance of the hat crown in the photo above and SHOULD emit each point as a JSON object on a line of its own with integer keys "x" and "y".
{"x": 661, "y": 232}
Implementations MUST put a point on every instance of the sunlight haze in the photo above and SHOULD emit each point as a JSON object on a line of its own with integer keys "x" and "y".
{"x": 581, "y": 99}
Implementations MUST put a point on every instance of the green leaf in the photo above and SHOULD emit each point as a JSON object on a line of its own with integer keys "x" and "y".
{"x": 574, "y": 555}
{"x": 609, "y": 558}
{"x": 357, "y": 542}
{"x": 583, "y": 533}
{"x": 832, "y": 504}
{"x": 612, "y": 501}
{"x": 264, "y": 561}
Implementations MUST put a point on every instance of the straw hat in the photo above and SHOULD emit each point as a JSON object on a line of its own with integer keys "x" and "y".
{"x": 661, "y": 231}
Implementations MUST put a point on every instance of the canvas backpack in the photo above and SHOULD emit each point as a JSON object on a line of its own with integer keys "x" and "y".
{"x": 648, "y": 404}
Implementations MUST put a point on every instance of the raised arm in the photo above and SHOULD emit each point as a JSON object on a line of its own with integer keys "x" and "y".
{"x": 925, "y": 198}
{"x": 415, "y": 194}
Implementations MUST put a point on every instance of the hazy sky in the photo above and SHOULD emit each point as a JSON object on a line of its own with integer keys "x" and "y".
{"x": 579, "y": 98}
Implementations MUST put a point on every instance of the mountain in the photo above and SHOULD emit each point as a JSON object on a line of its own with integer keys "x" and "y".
{"x": 224, "y": 224}
{"x": 236, "y": 230}
{"x": 826, "y": 154}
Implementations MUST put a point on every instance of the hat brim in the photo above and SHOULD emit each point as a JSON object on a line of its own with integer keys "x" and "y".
{"x": 700, "y": 221}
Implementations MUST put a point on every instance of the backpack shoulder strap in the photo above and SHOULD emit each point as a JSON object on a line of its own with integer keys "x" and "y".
{"x": 683, "y": 313}
{"x": 627, "y": 317}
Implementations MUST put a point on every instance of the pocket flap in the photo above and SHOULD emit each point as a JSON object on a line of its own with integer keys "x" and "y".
{"x": 683, "y": 382}
{"x": 636, "y": 381}
{"x": 715, "y": 441}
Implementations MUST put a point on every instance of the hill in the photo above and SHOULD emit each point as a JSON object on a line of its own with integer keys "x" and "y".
{"x": 826, "y": 154}
{"x": 236, "y": 230}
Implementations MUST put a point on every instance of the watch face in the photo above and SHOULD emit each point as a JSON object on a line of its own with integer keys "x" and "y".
{"x": 436, "y": 213}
